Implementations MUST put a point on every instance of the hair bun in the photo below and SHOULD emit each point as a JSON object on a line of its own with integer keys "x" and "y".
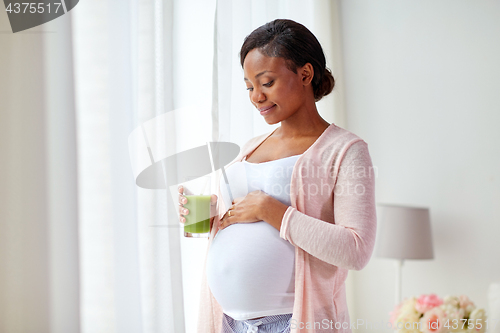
{"x": 325, "y": 86}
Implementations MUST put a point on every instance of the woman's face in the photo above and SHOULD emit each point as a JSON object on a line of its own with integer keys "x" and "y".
{"x": 276, "y": 91}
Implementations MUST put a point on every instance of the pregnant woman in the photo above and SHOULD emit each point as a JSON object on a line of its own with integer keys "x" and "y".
{"x": 303, "y": 213}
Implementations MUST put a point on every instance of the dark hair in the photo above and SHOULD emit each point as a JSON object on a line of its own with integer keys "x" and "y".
{"x": 297, "y": 45}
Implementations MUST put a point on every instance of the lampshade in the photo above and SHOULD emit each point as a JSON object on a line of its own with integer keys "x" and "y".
{"x": 157, "y": 162}
{"x": 404, "y": 233}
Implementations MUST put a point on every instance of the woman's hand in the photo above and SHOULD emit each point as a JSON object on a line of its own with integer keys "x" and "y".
{"x": 255, "y": 206}
{"x": 245, "y": 209}
{"x": 184, "y": 211}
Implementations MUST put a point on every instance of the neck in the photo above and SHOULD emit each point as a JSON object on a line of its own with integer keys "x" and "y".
{"x": 302, "y": 124}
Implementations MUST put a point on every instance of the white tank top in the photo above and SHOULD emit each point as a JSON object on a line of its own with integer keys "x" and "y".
{"x": 250, "y": 269}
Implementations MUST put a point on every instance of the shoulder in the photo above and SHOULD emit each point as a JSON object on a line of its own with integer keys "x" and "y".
{"x": 354, "y": 147}
{"x": 342, "y": 135}
{"x": 336, "y": 141}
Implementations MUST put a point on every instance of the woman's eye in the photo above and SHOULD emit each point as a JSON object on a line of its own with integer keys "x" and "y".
{"x": 270, "y": 83}
{"x": 250, "y": 89}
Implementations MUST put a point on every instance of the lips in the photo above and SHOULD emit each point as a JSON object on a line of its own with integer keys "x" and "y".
{"x": 266, "y": 109}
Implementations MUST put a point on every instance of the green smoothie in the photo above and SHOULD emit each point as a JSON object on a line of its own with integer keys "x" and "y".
{"x": 198, "y": 219}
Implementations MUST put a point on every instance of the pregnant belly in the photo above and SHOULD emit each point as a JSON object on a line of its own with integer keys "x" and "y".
{"x": 250, "y": 269}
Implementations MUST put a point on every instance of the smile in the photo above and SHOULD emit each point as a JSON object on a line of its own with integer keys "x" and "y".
{"x": 266, "y": 109}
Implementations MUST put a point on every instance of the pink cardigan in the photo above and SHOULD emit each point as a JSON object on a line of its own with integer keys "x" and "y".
{"x": 332, "y": 224}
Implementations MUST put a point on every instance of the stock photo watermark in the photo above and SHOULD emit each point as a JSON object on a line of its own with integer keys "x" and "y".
{"x": 319, "y": 181}
{"x": 24, "y": 15}
{"x": 470, "y": 324}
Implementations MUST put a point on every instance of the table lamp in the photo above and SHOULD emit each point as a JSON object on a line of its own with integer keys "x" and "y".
{"x": 404, "y": 233}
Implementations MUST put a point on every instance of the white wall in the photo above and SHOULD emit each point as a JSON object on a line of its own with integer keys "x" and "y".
{"x": 422, "y": 81}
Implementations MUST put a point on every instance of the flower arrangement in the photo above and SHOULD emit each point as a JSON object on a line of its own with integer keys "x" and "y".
{"x": 429, "y": 313}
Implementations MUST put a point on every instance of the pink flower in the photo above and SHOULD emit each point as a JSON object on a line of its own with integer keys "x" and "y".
{"x": 464, "y": 301}
{"x": 466, "y": 304}
{"x": 395, "y": 313}
{"x": 427, "y": 302}
{"x": 433, "y": 321}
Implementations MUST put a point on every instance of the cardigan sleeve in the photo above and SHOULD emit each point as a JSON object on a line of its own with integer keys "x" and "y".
{"x": 349, "y": 242}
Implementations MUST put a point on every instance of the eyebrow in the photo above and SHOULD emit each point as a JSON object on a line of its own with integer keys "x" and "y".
{"x": 261, "y": 73}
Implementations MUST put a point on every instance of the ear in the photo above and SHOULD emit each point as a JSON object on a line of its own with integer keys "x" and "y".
{"x": 307, "y": 73}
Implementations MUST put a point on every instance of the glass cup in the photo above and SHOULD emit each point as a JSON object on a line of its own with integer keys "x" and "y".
{"x": 197, "y": 223}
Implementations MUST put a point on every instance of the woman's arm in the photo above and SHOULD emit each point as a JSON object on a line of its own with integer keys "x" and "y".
{"x": 273, "y": 211}
{"x": 349, "y": 242}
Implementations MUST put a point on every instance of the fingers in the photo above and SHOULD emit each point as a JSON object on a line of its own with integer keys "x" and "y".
{"x": 225, "y": 221}
{"x": 183, "y": 211}
{"x": 182, "y": 198}
{"x": 221, "y": 221}
{"x": 182, "y": 201}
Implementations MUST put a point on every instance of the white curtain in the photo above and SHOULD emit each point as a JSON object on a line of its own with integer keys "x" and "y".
{"x": 137, "y": 61}
{"x": 129, "y": 72}
{"x": 82, "y": 247}
{"x": 39, "y": 271}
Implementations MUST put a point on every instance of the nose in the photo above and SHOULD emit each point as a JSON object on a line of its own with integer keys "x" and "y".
{"x": 257, "y": 96}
